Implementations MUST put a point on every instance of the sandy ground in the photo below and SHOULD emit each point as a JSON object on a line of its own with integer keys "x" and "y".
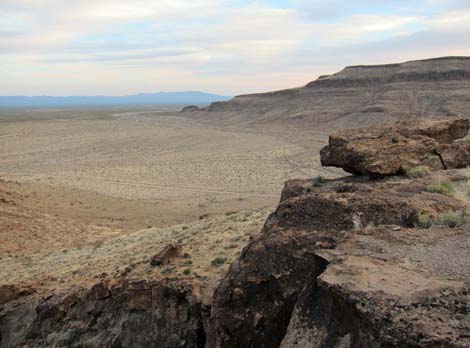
{"x": 151, "y": 156}
{"x": 92, "y": 191}
{"x": 55, "y": 251}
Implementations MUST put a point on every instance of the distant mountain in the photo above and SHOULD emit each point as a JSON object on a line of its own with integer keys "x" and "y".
{"x": 161, "y": 98}
{"x": 356, "y": 96}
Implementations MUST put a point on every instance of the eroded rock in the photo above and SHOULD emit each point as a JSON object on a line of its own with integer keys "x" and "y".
{"x": 391, "y": 149}
{"x": 333, "y": 262}
{"x": 164, "y": 256}
{"x": 12, "y": 292}
{"x": 137, "y": 313}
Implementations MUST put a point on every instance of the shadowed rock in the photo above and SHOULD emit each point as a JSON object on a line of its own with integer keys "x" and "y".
{"x": 391, "y": 149}
{"x": 114, "y": 314}
{"x": 192, "y": 108}
{"x": 339, "y": 266}
{"x": 11, "y": 292}
{"x": 164, "y": 257}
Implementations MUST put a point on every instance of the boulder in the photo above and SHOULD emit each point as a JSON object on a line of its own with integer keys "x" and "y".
{"x": 391, "y": 149}
{"x": 164, "y": 257}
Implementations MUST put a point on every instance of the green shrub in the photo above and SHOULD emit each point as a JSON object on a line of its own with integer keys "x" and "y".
{"x": 218, "y": 261}
{"x": 186, "y": 271}
{"x": 418, "y": 172}
{"x": 444, "y": 187}
{"x": 187, "y": 263}
{"x": 424, "y": 221}
{"x": 166, "y": 271}
{"x": 318, "y": 181}
{"x": 451, "y": 219}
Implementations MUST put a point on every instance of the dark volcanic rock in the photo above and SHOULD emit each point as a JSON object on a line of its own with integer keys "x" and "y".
{"x": 120, "y": 314}
{"x": 252, "y": 306}
{"x": 164, "y": 256}
{"x": 391, "y": 149}
{"x": 11, "y": 292}
{"x": 334, "y": 261}
{"x": 191, "y": 108}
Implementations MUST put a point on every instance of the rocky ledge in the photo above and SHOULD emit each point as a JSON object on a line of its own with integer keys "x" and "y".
{"x": 357, "y": 263}
{"x": 343, "y": 263}
{"x": 396, "y": 148}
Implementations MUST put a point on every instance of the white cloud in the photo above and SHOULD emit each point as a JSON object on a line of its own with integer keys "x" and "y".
{"x": 455, "y": 20}
{"x": 85, "y": 46}
{"x": 360, "y": 28}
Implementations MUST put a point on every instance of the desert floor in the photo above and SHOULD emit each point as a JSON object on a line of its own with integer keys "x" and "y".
{"x": 90, "y": 184}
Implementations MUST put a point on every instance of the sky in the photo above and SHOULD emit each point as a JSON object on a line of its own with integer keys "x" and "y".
{"x": 229, "y": 47}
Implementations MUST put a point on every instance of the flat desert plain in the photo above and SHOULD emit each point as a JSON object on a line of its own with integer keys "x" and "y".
{"x": 122, "y": 183}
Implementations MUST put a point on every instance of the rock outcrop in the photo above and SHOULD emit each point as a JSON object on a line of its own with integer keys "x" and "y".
{"x": 191, "y": 108}
{"x": 331, "y": 263}
{"x": 350, "y": 263}
{"x": 392, "y": 149}
{"x": 163, "y": 257}
{"x": 112, "y": 314}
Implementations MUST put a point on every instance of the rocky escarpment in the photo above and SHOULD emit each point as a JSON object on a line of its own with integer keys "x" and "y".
{"x": 357, "y": 95}
{"x": 352, "y": 263}
{"x": 414, "y": 71}
{"x": 396, "y": 148}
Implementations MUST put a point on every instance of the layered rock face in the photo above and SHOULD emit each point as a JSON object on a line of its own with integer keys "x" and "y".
{"x": 425, "y": 70}
{"x": 349, "y": 263}
{"x": 396, "y": 148}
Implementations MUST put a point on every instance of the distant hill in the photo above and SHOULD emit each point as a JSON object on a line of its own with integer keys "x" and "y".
{"x": 161, "y": 98}
{"x": 356, "y": 96}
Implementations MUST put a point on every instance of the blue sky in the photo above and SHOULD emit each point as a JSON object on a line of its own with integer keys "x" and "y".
{"x": 115, "y": 47}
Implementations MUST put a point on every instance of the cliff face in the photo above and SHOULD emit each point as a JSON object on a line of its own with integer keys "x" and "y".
{"x": 357, "y": 96}
{"x": 121, "y": 314}
{"x": 431, "y": 70}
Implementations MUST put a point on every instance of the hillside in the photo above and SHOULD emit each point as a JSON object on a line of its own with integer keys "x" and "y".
{"x": 357, "y": 95}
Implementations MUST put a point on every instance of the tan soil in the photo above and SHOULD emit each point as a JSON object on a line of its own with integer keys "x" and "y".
{"x": 88, "y": 193}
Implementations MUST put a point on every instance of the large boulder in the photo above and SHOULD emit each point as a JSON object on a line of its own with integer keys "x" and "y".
{"x": 391, "y": 149}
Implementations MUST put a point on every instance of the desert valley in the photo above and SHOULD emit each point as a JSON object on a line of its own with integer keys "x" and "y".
{"x": 218, "y": 225}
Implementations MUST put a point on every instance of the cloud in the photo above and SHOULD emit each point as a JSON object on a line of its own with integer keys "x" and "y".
{"x": 360, "y": 28}
{"x": 225, "y": 46}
